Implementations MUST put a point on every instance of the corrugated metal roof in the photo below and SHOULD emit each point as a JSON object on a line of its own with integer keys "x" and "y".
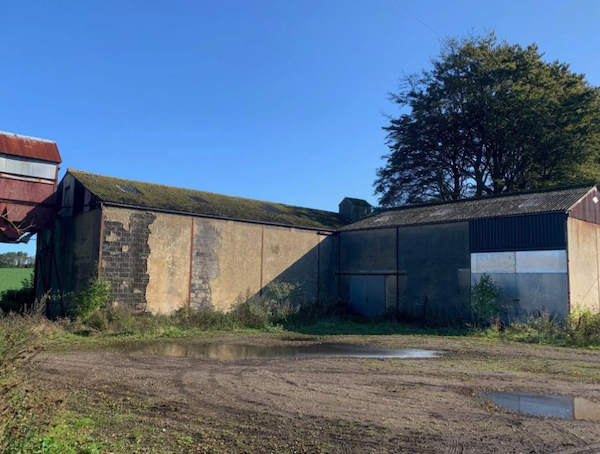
{"x": 29, "y": 147}
{"x": 167, "y": 198}
{"x": 546, "y": 201}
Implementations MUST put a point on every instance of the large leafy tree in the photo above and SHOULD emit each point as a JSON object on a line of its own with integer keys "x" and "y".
{"x": 488, "y": 118}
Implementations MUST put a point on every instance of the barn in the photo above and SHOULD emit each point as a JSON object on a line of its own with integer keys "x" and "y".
{"x": 164, "y": 248}
{"x": 541, "y": 248}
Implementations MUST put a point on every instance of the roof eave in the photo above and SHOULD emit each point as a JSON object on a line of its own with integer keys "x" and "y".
{"x": 208, "y": 216}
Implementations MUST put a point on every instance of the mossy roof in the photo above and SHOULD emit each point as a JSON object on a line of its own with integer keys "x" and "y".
{"x": 515, "y": 204}
{"x": 119, "y": 191}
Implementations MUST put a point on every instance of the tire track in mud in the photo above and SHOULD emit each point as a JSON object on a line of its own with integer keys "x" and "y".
{"x": 454, "y": 447}
{"x": 568, "y": 435}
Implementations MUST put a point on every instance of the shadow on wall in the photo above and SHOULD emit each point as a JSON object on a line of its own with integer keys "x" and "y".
{"x": 410, "y": 272}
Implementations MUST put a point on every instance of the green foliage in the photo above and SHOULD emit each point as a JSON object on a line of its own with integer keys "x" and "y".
{"x": 18, "y": 300}
{"x": 12, "y": 278}
{"x": 95, "y": 296}
{"x": 16, "y": 260}
{"x": 281, "y": 304}
{"x": 489, "y": 118}
{"x": 579, "y": 329}
{"x": 484, "y": 299}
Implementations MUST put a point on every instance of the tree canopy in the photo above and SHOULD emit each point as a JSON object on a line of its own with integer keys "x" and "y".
{"x": 16, "y": 260}
{"x": 489, "y": 118}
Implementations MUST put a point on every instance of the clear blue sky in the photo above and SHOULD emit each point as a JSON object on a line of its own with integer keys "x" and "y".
{"x": 280, "y": 100}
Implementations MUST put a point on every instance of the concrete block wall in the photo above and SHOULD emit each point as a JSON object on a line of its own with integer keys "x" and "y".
{"x": 124, "y": 255}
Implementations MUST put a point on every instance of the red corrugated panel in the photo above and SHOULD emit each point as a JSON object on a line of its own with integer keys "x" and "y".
{"x": 29, "y": 147}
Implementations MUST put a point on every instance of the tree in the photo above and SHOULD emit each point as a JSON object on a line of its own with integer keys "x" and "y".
{"x": 489, "y": 118}
{"x": 16, "y": 260}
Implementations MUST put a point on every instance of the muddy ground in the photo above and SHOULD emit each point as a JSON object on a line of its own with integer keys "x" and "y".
{"x": 145, "y": 403}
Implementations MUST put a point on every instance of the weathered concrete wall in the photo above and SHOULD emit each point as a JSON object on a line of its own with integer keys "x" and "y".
{"x": 291, "y": 255}
{"x": 584, "y": 273}
{"x": 169, "y": 263}
{"x": 328, "y": 252}
{"x": 76, "y": 244}
{"x": 226, "y": 264}
{"x": 532, "y": 282}
{"x": 146, "y": 258}
{"x": 125, "y": 251}
{"x": 435, "y": 259}
{"x": 235, "y": 260}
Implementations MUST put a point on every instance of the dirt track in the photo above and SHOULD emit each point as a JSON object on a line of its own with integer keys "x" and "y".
{"x": 167, "y": 404}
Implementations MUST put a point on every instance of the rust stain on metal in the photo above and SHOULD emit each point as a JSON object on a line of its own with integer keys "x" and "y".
{"x": 29, "y": 147}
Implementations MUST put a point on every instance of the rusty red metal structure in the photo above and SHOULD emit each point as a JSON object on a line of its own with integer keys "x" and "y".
{"x": 28, "y": 180}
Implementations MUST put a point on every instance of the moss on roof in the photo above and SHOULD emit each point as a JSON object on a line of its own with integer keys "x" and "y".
{"x": 514, "y": 204}
{"x": 119, "y": 191}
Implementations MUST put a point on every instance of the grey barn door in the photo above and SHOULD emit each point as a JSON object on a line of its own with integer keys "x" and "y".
{"x": 367, "y": 295}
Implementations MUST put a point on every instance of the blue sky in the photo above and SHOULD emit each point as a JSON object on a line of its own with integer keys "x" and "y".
{"x": 280, "y": 100}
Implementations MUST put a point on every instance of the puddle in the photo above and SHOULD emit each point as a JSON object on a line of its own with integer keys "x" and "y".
{"x": 242, "y": 351}
{"x": 563, "y": 407}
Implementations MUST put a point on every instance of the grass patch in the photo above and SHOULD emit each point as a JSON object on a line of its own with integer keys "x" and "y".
{"x": 33, "y": 420}
{"x": 12, "y": 278}
{"x": 579, "y": 329}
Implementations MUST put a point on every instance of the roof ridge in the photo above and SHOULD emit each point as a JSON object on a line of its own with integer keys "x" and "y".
{"x": 22, "y": 136}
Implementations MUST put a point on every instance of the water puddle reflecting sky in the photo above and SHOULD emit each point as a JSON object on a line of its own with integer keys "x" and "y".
{"x": 244, "y": 351}
{"x": 563, "y": 407}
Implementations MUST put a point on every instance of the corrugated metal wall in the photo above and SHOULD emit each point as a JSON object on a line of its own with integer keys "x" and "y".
{"x": 519, "y": 233}
{"x": 588, "y": 208}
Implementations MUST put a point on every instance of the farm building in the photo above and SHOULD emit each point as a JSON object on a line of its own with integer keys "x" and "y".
{"x": 541, "y": 248}
{"x": 164, "y": 248}
{"x": 28, "y": 178}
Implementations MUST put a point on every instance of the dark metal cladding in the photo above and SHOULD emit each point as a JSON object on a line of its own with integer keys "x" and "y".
{"x": 518, "y": 233}
{"x": 588, "y": 208}
{"x": 29, "y": 147}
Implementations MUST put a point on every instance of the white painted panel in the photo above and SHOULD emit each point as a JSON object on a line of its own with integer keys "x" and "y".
{"x": 493, "y": 262}
{"x": 26, "y": 167}
{"x": 542, "y": 262}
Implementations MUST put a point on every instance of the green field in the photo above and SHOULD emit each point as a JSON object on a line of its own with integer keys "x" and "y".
{"x": 11, "y": 278}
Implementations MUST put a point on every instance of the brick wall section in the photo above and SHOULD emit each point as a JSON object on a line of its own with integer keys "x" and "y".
{"x": 205, "y": 264}
{"x": 124, "y": 259}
